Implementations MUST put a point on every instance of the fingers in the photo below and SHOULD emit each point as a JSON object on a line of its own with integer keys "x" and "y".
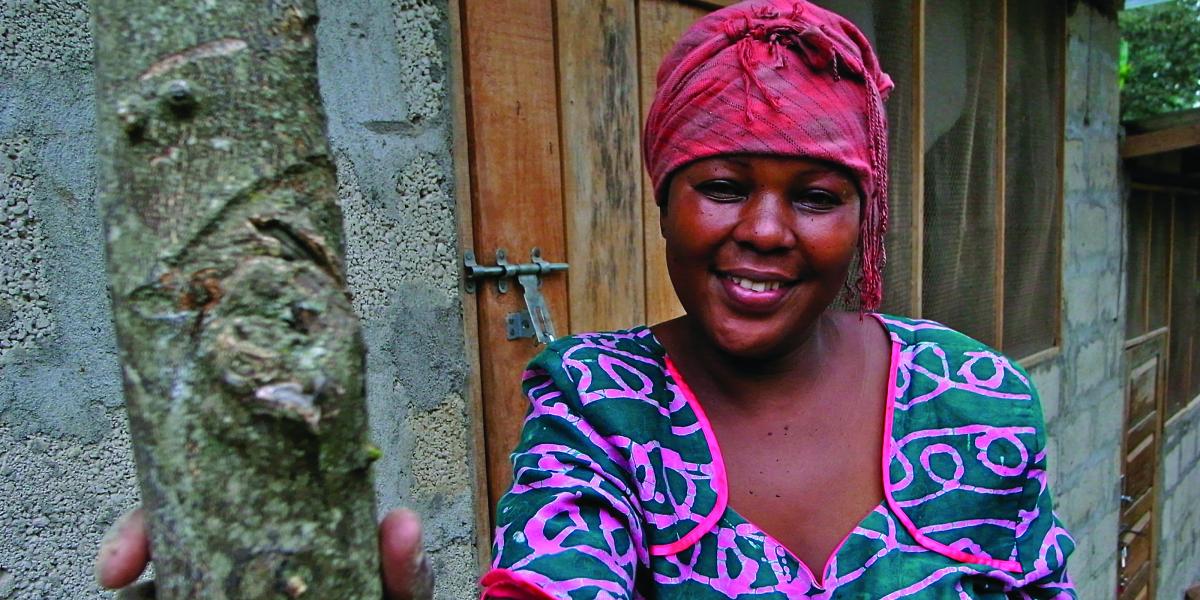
{"x": 124, "y": 552}
{"x": 141, "y": 591}
{"x": 405, "y": 567}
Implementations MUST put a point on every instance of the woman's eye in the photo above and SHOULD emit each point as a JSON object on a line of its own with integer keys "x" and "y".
{"x": 721, "y": 190}
{"x": 819, "y": 199}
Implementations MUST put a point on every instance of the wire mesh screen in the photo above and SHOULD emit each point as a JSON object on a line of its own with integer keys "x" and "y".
{"x": 889, "y": 26}
{"x": 1032, "y": 224}
{"x": 895, "y": 40}
{"x": 1184, "y": 366}
{"x": 962, "y": 77}
{"x": 1159, "y": 263}
{"x": 1136, "y": 262}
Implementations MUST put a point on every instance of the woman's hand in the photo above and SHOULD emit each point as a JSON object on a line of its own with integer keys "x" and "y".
{"x": 404, "y": 567}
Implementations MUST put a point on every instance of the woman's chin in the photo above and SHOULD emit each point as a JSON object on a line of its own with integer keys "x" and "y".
{"x": 747, "y": 340}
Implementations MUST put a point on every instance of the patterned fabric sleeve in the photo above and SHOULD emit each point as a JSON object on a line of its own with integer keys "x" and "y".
{"x": 568, "y": 528}
{"x": 1043, "y": 543}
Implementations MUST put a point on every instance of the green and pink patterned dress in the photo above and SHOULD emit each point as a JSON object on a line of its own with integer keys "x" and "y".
{"x": 620, "y": 491}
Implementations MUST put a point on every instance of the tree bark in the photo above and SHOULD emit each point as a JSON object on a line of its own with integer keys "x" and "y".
{"x": 241, "y": 355}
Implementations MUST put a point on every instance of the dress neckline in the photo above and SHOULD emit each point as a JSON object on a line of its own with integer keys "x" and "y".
{"x": 721, "y": 480}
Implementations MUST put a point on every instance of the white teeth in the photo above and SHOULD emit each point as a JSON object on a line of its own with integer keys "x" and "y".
{"x": 755, "y": 286}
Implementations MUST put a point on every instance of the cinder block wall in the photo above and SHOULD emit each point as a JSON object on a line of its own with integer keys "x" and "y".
{"x": 1179, "y": 550}
{"x": 65, "y": 466}
{"x": 1082, "y": 389}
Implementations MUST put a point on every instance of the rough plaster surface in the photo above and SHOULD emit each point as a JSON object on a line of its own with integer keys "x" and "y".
{"x": 49, "y": 34}
{"x": 384, "y": 82}
{"x": 24, "y": 311}
{"x": 1082, "y": 388}
{"x": 65, "y": 465}
{"x": 60, "y": 495}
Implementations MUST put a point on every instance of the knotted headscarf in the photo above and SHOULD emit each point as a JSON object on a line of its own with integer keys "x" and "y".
{"x": 778, "y": 77}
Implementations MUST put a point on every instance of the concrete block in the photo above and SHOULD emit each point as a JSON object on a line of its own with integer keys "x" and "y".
{"x": 1171, "y": 468}
{"x": 1074, "y": 444}
{"x": 1191, "y": 448}
{"x": 1088, "y": 494}
{"x": 1098, "y": 586}
{"x": 1088, "y": 226}
{"x": 1108, "y": 415}
{"x": 1075, "y": 167}
{"x": 1048, "y": 380}
{"x": 1189, "y": 487}
{"x": 24, "y": 291}
{"x": 440, "y": 439}
{"x": 1104, "y": 532}
{"x": 1109, "y": 283}
{"x": 1168, "y": 526}
{"x": 1080, "y": 302}
{"x": 1093, "y": 566}
{"x": 1091, "y": 370}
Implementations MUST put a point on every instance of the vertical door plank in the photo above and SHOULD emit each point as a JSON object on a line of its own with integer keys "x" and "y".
{"x": 470, "y": 318}
{"x": 515, "y": 177}
{"x": 661, "y": 22}
{"x": 602, "y": 191}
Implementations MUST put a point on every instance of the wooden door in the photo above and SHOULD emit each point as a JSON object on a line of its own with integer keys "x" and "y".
{"x": 1144, "y": 387}
{"x": 555, "y": 96}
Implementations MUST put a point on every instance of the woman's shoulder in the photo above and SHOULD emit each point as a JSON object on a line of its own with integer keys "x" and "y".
{"x": 940, "y": 363}
{"x": 627, "y": 364}
{"x": 636, "y": 344}
{"x": 912, "y": 331}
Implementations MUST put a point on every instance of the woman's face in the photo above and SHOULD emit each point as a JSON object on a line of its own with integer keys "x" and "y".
{"x": 759, "y": 246}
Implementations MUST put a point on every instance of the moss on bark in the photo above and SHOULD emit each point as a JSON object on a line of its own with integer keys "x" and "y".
{"x": 241, "y": 355}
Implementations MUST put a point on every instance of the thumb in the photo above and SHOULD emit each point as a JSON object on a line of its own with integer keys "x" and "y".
{"x": 124, "y": 552}
{"x": 405, "y": 566}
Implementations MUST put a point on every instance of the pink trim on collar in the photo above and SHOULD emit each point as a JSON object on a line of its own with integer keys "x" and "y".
{"x": 719, "y": 480}
{"x": 889, "y": 450}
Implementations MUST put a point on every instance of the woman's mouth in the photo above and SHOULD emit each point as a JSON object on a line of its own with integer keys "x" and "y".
{"x": 754, "y": 294}
{"x": 755, "y": 286}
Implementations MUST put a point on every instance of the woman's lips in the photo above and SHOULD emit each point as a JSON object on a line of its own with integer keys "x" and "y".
{"x": 763, "y": 298}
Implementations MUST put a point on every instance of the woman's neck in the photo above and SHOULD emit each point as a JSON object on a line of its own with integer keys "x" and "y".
{"x": 753, "y": 383}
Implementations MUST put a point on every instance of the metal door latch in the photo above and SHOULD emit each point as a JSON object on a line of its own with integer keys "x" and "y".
{"x": 535, "y": 320}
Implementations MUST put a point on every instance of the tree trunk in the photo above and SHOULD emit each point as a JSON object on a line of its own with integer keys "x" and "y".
{"x": 241, "y": 355}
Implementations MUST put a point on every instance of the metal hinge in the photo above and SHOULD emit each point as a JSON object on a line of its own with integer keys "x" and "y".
{"x": 535, "y": 321}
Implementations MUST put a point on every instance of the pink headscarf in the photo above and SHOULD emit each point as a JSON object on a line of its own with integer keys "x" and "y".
{"x": 778, "y": 77}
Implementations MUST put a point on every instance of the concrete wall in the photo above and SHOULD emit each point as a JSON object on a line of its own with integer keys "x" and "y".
{"x": 65, "y": 469}
{"x": 65, "y": 466}
{"x": 1082, "y": 388}
{"x": 1179, "y": 541}
{"x": 385, "y": 82}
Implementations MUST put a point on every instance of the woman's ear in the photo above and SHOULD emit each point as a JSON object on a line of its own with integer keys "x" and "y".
{"x": 662, "y": 217}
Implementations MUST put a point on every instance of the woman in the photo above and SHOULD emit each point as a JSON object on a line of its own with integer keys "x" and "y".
{"x": 765, "y": 445}
{"x": 727, "y": 453}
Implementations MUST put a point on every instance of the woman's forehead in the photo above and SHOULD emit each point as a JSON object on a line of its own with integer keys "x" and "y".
{"x": 793, "y": 164}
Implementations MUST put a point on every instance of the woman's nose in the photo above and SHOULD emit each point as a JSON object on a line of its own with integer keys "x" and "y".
{"x": 765, "y": 223}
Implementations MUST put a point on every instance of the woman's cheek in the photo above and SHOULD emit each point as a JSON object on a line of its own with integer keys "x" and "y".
{"x": 831, "y": 244}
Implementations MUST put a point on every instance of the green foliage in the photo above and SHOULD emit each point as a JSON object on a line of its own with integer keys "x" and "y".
{"x": 1160, "y": 62}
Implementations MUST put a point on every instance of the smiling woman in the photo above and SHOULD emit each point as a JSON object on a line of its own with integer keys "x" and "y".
{"x": 759, "y": 246}
{"x": 765, "y": 444}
